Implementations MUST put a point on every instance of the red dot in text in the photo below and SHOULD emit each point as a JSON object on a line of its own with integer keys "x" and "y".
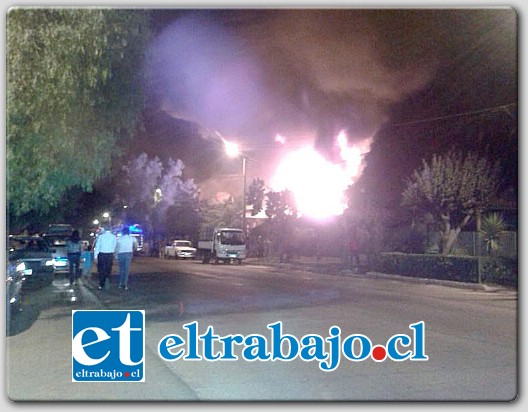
{"x": 127, "y": 374}
{"x": 379, "y": 353}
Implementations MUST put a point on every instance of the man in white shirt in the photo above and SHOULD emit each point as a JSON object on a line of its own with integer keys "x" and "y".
{"x": 104, "y": 250}
{"x": 125, "y": 250}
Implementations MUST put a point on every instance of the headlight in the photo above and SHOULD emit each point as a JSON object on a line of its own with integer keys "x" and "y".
{"x": 49, "y": 262}
{"x": 21, "y": 267}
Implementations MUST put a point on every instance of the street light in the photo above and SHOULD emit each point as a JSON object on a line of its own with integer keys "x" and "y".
{"x": 233, "y": 150}
{"x": 158, "y": 195}
{"x": 107, "y": 215}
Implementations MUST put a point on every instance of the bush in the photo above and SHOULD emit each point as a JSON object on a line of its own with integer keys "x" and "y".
{"x": 500, "y": 270}
{"x": 456, "y": 268}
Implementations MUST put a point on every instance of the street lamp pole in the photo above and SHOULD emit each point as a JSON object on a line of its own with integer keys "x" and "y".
{"x": 233, "y": 150}
{"x": 244, "y": 195}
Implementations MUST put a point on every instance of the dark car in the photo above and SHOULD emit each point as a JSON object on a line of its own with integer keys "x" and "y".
{"x": 35, "y": 253}
{"x": 15, "y": 276}
{"x": 57, "y": 244}
{"x": 59, "y": 229}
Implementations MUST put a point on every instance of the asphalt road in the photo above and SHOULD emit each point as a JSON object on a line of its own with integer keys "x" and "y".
{"x": 470, "y": 335}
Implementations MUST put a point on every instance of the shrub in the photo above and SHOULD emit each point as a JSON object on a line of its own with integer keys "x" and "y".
{"x": 456, "y": 268}
{"x": 500, "y": 270}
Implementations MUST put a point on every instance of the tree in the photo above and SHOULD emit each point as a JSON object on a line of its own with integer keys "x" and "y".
{"x": 226, "y": 213}
{"x": 73, "y": 92}
{"x": 452, "y": 188}
{"x": 149, "y": 188}
{"x": 493, "y": 226}
{"x": 281, "y": 205}
{"x": 282, "y": 212}
{"x": 183, "y": 219}
{"x": 255, "y": 195}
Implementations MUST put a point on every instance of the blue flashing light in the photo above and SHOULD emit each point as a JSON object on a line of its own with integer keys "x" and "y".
{"x": 135, "y": 229}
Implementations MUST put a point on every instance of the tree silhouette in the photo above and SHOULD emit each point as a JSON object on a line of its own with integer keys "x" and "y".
{"x": 452, "y": 188}
{"x": 73, "y": 92}
{"x": 255, "y": 195}
{"x": 150, "y": 188}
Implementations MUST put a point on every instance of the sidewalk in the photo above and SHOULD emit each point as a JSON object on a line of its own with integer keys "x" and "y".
{"x": 334, "y": 266}
{"x": 327, "y": 265}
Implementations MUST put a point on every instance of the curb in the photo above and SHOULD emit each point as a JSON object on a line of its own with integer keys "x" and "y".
{"x": 378, "y": 275}
{"x": 451, "y": 283}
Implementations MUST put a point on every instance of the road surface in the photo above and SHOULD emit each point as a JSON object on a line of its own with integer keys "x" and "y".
{"x": 471, "y": 335}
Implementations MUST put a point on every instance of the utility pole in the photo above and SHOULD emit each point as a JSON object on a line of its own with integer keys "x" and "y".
{"x": 244, "y": 196}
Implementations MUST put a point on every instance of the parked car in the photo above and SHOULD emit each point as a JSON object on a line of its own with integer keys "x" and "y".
{"x": 35, "y": 253}
{"x": 57, "y": 244}
{"x": 15, "y": 276}
{"x": 61, "y": 229}
{"x": 180, "y": 249}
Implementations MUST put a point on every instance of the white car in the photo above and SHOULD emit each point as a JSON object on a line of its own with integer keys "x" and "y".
{"x": 180, "y": 249}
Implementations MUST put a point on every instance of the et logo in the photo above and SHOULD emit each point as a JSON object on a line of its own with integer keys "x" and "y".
{"x": 108, "y": 345}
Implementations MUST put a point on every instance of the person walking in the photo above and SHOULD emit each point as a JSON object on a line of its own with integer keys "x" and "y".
{"x": 125, "y": 251}
{"x": 87, "y": 257}
{"x": 74, "y": 249}
{"x": 104, "y": 250}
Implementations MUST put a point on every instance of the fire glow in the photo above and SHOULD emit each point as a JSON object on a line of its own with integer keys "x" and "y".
{"x": 319, "y": 185}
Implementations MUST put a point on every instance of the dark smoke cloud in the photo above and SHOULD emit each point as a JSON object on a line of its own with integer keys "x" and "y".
{"x": 255, "y": 73}
{"x": 201, "y": 73}
{"x": 286, "y": 71}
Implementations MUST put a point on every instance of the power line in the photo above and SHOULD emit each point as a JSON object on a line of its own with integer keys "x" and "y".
{"x": 469, "y": 113}
{"x": 217, "y": 138}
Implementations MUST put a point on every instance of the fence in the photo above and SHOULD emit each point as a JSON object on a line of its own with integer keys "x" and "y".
{"x": 467, "y": 243}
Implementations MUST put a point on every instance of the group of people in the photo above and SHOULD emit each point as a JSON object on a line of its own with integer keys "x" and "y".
{"x": 107, "y": 245}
